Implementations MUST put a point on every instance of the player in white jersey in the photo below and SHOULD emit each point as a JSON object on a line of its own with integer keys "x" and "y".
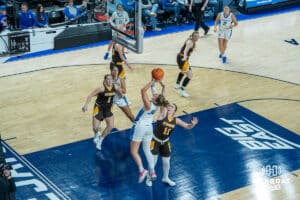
{"x": 142, "y": 130}
{"x": 118, "y": 20}
{"x": 120, "y": 99}
{"x": 227, "y": 22}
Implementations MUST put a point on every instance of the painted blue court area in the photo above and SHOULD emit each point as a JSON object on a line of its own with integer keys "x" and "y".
{"x": 229, "y": 148}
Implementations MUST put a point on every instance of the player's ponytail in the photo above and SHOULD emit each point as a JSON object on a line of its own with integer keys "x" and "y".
{"x": 162, "y": 101}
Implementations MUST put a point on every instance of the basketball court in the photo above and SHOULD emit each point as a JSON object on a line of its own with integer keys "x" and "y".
{"x": 246, "y": 145}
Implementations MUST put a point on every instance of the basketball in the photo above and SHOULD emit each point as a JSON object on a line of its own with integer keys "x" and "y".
{"x": 158, "y": 74}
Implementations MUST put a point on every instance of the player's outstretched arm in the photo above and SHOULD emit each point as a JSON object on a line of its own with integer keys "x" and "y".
{"x": 145, "y": 98}
{"x": 90, "y": 96}
{"x": 185, "y": 125}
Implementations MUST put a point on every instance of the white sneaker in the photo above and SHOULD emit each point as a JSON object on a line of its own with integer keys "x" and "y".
{"x": 96, "y": 138}
{"x": 184, "y": 93}
{"x": 99, "y": 143}
{"x": 153, "y": 176}
{"x": 177, "y": 86}
{"x": 156, "y": 29}
{"x": 142, "y": 175}
{"x": 168, "y": 181}
{"x": 149, "y": 180}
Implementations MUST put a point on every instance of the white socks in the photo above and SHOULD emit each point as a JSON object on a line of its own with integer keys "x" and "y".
{"x": 148, "y": 154}
{"x": 166, "y": 169}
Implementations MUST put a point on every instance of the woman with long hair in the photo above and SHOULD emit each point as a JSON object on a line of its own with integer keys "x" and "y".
{"x": 227, "y": 22}
{"x": 183, "y": 63}
{"x": 160, "y": 143}
{"x": 120, "y": 99}
{"x": 102, "y": 108}
{"x": 143, "y": 130}
{"x": 41, "y": 20}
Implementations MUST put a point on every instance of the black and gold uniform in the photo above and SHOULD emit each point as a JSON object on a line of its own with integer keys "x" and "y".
{"x": 184, "y": 65}
{"x": 160, "y": 142}
{"x": 117, "y": 61}
{"x": 104, "y": 102}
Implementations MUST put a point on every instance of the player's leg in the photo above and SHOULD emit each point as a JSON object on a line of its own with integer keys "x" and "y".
{"x": 227, "y": 37}
{"x": 221, "y": 44}
{"x": 165, "y": 153}
{"x": 187, "y": 71}
{"x": 97, "y": 118}
{"x": 180, "y": 64}
{"x": 220, "y": 48}
{"x": 106, "y": 55}
{"x": 109, "y": 126}
{"x": 224, "y": 58}
{"x": 147, "y": 151}
{"x": 166, "y": 169}
{"x": 97, "y": 133}
{"x": 134, "y": 150}
{"x": 154, "y": 147}
{"x": 127, "y": 111}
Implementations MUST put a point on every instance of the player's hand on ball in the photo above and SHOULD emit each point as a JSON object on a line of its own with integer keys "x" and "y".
{"x": 161, "y": 83}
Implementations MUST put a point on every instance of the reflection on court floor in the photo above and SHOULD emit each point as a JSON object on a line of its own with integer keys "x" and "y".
{"x": 230, "y": 148}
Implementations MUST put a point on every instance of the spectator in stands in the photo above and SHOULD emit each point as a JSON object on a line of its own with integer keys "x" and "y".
{"x": 172, "y": 5}
{"x": 83, "y": 12}
{"x": 149, "y": 10}
{"x": 26, "y": 17}
{"x": 112, "y": 6}
{"x": 3, "y": 18}
{"x": 41, "y": 19}
{"x": 118, "y": 20}
{"x": 184, "y": 6}
{"x": 71, "y": 11}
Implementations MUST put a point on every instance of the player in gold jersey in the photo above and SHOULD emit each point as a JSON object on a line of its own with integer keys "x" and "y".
{"x": 102, "y": 108}
{"x": 160, "y": 143}
{"x": 183, "y": 63}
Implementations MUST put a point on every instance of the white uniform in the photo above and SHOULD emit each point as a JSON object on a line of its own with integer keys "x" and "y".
{"x": 143, "y": 129}
{"x": 120, "y": 100}
{"x": 224, "y": 28}
{"x": 119, "y": 20}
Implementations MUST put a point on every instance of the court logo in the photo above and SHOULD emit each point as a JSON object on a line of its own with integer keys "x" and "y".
{"x": 252, "y": 136}
{"x": 30, "y": 182}
{"x": 273, "y": 177}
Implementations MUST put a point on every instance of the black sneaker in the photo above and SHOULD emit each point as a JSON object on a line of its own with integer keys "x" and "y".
{"x": 206, "y": 31}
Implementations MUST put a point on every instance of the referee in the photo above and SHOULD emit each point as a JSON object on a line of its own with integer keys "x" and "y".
{"x": 198, "y": 11}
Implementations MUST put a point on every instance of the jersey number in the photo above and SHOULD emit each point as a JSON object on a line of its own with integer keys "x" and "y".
{"x": 167, "y": 131}
{"x": 109, "y": 99}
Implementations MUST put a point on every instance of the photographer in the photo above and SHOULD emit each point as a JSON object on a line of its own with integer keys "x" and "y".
{"x": 7, "y": 183}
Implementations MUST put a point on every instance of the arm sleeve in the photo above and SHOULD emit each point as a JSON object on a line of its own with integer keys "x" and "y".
{"x": 21, "y": 22}
{"x": 67, "y": 13}
{"x": 36, "y": 21}
{"x": 153, "y": 89}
